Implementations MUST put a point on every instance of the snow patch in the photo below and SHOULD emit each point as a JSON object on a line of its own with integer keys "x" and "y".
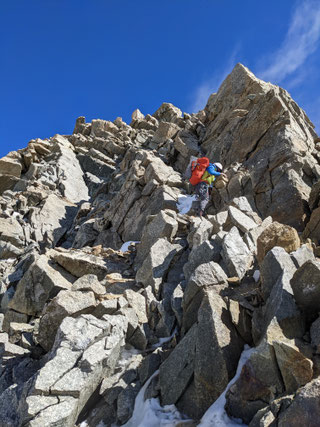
{"x": 185, "y": 202}
{"x": 256, "y": 275}
{"x": 126, "y": 245}
{"x": 10, "y": 260}
{"x": 164, "y": 340}
{"x": 85, "y": 424}
{"x": 149, "y": 413}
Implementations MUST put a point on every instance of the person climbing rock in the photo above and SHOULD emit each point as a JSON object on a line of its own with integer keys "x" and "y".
{"x": 206, "y": 182}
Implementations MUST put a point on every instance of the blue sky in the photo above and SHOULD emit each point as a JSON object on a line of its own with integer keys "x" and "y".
{"x": 104, "y": 58}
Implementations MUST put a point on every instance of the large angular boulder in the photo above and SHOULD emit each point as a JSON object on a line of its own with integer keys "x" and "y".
{"x": 218, "y": 349}
{"x": 281, "y": 306}
{"x": 274, "y": 366}
{"x": 187, "y": 144}
{"x": 81, "y": 126}
{"x": 89, "y": 282}
{"x": 242, "y": 320}
{"x": 43, "y": 280}
{"x": 176, "y": 371}
{"x": 138, "y": 303}
{"x": 86, "y": 234}
{"x": 65, "y": 304}
{"x": 163, "y": 225}
{"x": 162, "y": 173}
{"x": 201, "y": 230}
{"x": 312, "y": 229}
{"x": 163, "y": 197}
{"x": 167, "y": 112}
{"x": 277, "y": 262}
{"x": 302, "y": 255}
{"x": 305, "y": 408}
{"x": 122, "y": 202}
{"x": 164, "y": 132}
{"x": 314, "y": 198}
{"x": 108, "y": 239}
{"x": 101, "y": 128}
{"x": 251, "y": 237}
{"x": 257, "y": 385}
{"x": 7, "y": 182}
{"x": 85, "y": 351}
{"x": 9, "y": 166}
{"x": 12, "y": 316}
{"x": 315, "y": 335}
{"x": 157, "y": 263}
{"x": 80, "y": 263}
{"x": 207, "y": 251}
{"x": 241, "y": 220}
{"x": 277, "y": 235}
{"x": 53, "y": 219}
{"x": 11, "y": 232}
{"x": 236, "y": 254}
{"x": 7, "y": 250}
{"x": 204, "y": 277}
{"x": 306, "y": 287}
{"x": 296, "y": 369}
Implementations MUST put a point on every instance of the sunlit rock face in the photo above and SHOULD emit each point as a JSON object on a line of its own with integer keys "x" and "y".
{"x": 113, "y": 291}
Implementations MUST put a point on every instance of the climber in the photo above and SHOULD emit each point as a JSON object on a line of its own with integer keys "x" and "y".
{"x": 202, "y": 188}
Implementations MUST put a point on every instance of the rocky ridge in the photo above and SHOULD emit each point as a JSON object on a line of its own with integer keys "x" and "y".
{"x": 188, "y": 294}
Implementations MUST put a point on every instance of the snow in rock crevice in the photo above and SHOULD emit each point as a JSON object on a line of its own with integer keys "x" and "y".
{"x": 126, "y": 245}
{"x": 149, "y": 413}
{"x": 185, "y": 202}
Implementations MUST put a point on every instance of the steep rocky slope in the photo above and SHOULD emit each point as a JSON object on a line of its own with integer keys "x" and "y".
{"x": 86, "y": 320}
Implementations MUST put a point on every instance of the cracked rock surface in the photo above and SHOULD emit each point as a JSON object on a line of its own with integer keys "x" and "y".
{"x": 103, "y": 280}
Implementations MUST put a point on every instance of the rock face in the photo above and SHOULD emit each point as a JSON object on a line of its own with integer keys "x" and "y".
{"x": 306, "y": 286}
{"x": 304, "y": 410}
{"x": 65, "y": 304}
{"x": 276, "y": 154}
{"x": 53, "y": 219}
{"x": 236, "y": 254}
{"x": 103, "y": 280}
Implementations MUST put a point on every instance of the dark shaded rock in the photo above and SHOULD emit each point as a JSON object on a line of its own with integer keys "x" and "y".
{"x": 95, "y": 166}
{"x": 305, "y": 408}
{"x": 306, "y": 287}
{"x": 218, "y": 349}
{"x": 149, "y": 365}
{"x": 282, "y": 306}
{"x": 276, "y": 263}
{"x": 205, "y": 276}
{"x": 125, "y": 402}
{"x": 177, "y": 370}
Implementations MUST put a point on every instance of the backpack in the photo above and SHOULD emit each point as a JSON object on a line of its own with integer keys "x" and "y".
{"x": 198, "y": 168}
{"x": 188, "y": 171}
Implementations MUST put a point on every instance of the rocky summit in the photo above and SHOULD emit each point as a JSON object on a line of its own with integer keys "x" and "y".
{"x": 106, "y": 281}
